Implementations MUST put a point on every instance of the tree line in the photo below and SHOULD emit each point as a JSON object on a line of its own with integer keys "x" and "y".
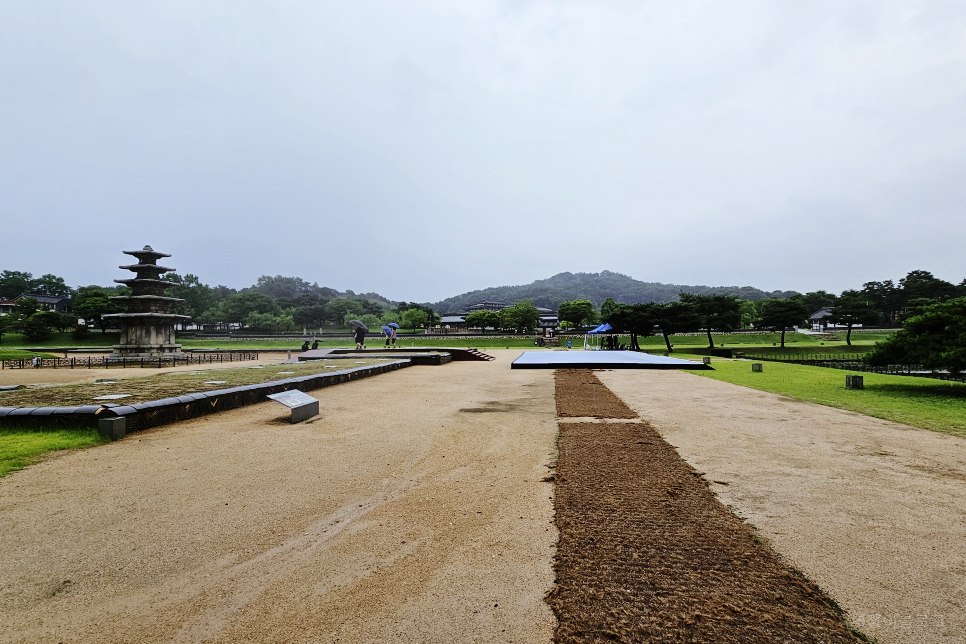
{"x": 280, "y": 304}
{"x": 877, "y": 303}
{"x": 272, "y": 304}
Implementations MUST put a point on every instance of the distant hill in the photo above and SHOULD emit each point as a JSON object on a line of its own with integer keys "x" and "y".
{"x": 597, "y": 287}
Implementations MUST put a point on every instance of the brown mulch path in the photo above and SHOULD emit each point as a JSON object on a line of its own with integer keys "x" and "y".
{"x": 647, "y": 554}
{"x": 580, "y": 394}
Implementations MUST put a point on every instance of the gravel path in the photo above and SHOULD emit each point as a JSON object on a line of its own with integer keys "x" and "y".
{"x": 872, "y": 511}
{"x": 412, "y": 510}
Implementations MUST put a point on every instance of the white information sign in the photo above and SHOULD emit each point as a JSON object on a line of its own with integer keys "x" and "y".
{"x": 293, "y": 398}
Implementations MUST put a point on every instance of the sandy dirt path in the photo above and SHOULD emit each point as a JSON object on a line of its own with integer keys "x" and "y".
{"x": 873, "y": 511}
{"x": 411, "y": 510}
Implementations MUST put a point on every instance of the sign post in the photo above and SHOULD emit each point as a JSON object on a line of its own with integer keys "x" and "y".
{"x": 303, "y": 406}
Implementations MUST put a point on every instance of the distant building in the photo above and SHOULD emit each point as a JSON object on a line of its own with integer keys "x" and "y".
{"x": 820, "y": 320}
{"x": 7, "y": 306}
{"x": 485, "y": 305}
{"x": 548, "y": 318}
{"x": 453, "y": 321}
{"x": 48, "y": 303}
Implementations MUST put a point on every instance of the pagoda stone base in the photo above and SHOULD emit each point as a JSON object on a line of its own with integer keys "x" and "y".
{"x": 150, "y": 351}
{"x": 146, "y": 340}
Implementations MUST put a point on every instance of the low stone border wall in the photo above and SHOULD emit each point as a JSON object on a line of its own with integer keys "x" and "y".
{"x": 170, "y": 410}
{"x": 455, "y": 353}
{"x": 417, "y": 358}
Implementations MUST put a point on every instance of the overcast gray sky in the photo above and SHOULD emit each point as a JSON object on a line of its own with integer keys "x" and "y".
{"x": 423, "y": 149}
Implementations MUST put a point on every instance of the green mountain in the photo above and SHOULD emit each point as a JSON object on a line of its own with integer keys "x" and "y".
{"x": 597, "y": 287}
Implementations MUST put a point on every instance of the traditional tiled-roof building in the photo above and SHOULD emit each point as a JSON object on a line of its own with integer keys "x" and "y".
{"x": 58, "y": 303}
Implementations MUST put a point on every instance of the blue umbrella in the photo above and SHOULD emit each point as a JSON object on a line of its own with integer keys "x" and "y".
{"x": 386, "y": 329}
{"x": 393, "y": 325}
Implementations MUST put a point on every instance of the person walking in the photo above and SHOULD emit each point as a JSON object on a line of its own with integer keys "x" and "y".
{"x": 392, "y": 336}
{"x": 360, "y": 336}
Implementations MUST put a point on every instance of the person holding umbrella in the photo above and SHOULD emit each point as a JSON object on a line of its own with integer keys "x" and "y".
{"x": 392, "y": 335}
{"x": 359, "y": 333}
{"x": 387, "y": 331}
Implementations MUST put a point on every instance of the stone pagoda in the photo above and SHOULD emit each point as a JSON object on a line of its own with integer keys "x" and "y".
{"x": 147, "y": 329}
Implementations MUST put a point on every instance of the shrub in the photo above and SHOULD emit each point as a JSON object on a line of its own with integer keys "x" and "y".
{"x": 36, "y": 330}
{"x": 935, "y": 339}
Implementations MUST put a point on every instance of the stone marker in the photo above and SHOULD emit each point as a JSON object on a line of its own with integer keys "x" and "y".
{"x": 112, "y": 428}
{"x": 756, "y": 367}
{"x": 303, "y": 406}
{"x": 854, "y": 382}
{"x": 705, "y": 360}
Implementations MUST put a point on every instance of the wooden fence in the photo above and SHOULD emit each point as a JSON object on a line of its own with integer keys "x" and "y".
{"x": 853, "y": 362}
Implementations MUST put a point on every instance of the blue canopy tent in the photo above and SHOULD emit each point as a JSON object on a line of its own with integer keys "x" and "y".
{"x": 603, "y": 328}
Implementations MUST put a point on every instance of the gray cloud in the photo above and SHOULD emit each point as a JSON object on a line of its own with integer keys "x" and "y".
{"x": 427, "y": 148}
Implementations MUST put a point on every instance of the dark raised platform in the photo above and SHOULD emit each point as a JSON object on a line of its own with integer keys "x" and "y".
{"x": 580, "y": 359}
{"x": 457, "y": 353}
{"x": 433, "y": 358}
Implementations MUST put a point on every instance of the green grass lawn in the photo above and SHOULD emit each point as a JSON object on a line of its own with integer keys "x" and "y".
{"x": 729, "y": 339}
{"x": 62, "y": 339}
{"x": 869, "y": 337}
{"x": 920, "y": 402}
{"x": 742, "y": 340}
{"x": 480, "y": 342}
{"x": 20, "y": 354}
{"x": 239, "y": 345}
{"x": 20, "y": 448}
{"x": 809, "y": 351}
{"x": 373, "y": 341}
{"x": 736, "y": 340}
